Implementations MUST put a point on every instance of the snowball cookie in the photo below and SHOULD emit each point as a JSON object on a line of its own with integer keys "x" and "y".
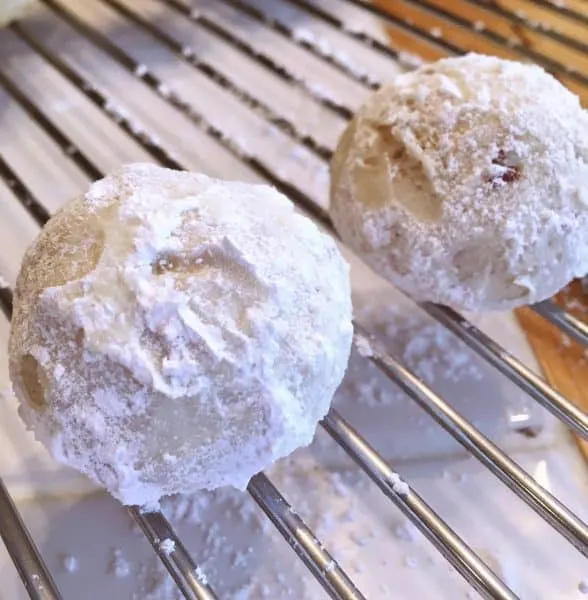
{"x": 173, "y": 332}
{"x": 13, "y": 9}
{"x": 465, "y": 182}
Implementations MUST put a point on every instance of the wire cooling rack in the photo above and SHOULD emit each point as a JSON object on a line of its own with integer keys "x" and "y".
{"x": 261, "y": 90}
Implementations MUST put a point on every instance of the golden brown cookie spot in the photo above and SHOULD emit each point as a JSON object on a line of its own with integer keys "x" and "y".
{"x": 164, "y": 264}
{"x": 31, "y": 374}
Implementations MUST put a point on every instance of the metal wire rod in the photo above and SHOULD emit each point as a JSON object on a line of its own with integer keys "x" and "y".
{"x": 564, "y": 320}
{"x": 516, "y": 479}
{"x": 514, "y": 369}
{"x": 24, "y": 554}
{"x": 447, "y": 542}
{"x": 189, "y": 578}
{"x": 302, "y": 540}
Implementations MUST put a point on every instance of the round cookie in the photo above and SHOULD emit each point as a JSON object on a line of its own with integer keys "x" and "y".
{"x": 465, "y": 182}
{"x": 173, "y": 332}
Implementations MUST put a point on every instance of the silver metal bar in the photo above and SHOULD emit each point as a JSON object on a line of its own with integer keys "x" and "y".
{"x": 508, "y": 365}
{"x": 26, "y": 558}
{"x": 516, "y": 479}
{"x": 302, "y": 540}
{"x": 564, "y": 320}
{"x": 189, "y": 578}
{"x": 447, "y": 542}
{"x": 5, "y": 300}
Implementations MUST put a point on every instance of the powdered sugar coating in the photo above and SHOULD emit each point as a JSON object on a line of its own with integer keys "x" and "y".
{"x": 172, "y": 332}
{"x": 465, "y": 182}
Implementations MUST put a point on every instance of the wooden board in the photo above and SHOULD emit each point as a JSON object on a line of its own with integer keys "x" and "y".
{"x": 563, "y": 361}
{"x": 515, "y": 29}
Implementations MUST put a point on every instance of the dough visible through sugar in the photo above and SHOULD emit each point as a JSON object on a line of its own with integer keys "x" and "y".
{"x": 465, "y": 182}
{"x": 173, "y": 332}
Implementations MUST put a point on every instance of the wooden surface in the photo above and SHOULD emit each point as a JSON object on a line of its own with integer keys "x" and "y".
{"x": 564, "y": 362}
{"x": 516, "y": 29}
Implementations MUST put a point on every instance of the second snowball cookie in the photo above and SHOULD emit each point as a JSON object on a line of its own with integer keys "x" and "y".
{"x": 465, "y": 182}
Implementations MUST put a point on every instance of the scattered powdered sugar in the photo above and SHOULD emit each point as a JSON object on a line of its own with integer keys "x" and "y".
{"x": 368, "y": 399}
{"x": 425, "y": 346}
{"x": 201, "y": 576}
{"x": 420, "y": 353}
{"x": 506, "y": 566}
{"x": 153, "y": 582}
{"x": 119, "y": 566}
{"x": 359, "y": 538}
{"x": 224, "y": 531}
{"x": 164, "y": 90}
{"x": 407, "y": 532}
{"x": 70, "y": 563}
{"x": 167, "y": 546}
{"x": 141, "y": 70}
{"x": 410, "y": 61}
{"x": 186, "y": 508}
{"x": 399, "y": 486}
{"x": 363, "y": 346}
{"x": 301, "y": 34}
{"x": 343, "y": 58}
{"x": 116, "y": 111}
{"x": 330, "y": 566}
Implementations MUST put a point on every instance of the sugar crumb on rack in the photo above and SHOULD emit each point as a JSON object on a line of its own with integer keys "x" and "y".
{"x": 70, "y": 563}
{"x": 119, "y": 566}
